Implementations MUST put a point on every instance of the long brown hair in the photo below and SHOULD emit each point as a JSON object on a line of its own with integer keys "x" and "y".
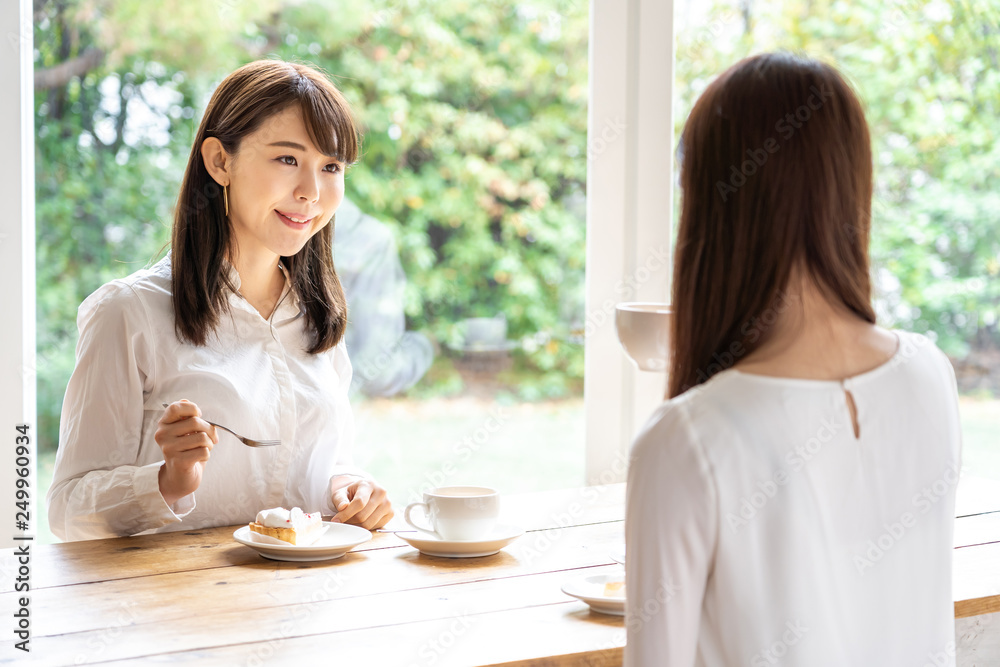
{"x": 202, "y": 239}
{"x": 776, "y": 171}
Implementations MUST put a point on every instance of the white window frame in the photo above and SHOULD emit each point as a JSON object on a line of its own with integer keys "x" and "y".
{"x": 629, "y": 197}
{"x": 629, "y": 208}
{"x": 17, "y": 255}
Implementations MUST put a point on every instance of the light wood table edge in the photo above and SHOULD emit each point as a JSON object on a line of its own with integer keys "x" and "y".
{"x": 609, "y": 657}
{"x": 977, "y": 606}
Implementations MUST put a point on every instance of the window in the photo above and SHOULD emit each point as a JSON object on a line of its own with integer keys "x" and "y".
{"x": 475, "y": 161}
{"x": 935, "y": 248}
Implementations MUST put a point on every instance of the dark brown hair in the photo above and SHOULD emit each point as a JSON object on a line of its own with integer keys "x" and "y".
{"x": 202, "y": 240}
{"x": 776, "y": 172}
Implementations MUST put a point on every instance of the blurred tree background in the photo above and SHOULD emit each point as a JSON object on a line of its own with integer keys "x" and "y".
{"x": 475, "y": 149}
{"x": 928, "y": 73}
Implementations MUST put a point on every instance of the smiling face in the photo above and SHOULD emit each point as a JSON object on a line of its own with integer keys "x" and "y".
{"x": 282, "y": 189}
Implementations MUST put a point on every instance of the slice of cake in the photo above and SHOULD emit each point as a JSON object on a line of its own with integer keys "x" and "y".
{"x": 293, "y": 526}
{"x": 614, "y": 589}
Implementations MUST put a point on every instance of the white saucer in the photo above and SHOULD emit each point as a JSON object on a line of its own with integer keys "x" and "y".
{"x": 337, "y": 540}
{"x": 617, "y": 554}
{"x": 591, "y": 590}
{"x": 501, "y": 536}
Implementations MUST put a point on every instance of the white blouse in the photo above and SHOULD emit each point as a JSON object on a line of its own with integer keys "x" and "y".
{"x": 254, "y": 376}
{"x": 760, "y": 531}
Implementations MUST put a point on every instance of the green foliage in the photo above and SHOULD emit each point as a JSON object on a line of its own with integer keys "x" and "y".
{"x": 474, "y": 116}
{"x": 928, "y": 73}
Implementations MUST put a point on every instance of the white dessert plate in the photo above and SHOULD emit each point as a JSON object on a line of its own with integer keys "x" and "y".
{"x": 617, "y": 554}
{"x": 501, "y": 536}
{"x": 591, "y": 590}
{"x": 337, "y": 540}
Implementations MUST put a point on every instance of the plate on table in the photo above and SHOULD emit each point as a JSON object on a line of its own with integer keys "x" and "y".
{"x": 594, "y": 590}
{"x": 336, "y": 540}
{"x": 501, "y": 536}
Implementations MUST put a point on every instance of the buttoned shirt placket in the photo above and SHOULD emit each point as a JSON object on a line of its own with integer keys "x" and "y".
{"x": 285, "y": 413}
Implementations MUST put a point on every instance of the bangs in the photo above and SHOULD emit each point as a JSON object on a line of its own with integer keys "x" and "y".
{"x": 328, "y": 120}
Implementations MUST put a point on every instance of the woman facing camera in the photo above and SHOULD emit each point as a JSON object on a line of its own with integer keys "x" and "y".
{"x": 793, "y": 501}
{"x": 242, "y": 322}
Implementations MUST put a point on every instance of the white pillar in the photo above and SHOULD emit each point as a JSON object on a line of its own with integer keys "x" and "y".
{"x": 629, "y": 195}
{"x": 17, "y": 261}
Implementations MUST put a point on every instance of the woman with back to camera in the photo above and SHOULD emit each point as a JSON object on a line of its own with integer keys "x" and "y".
{"x": 797, "y": 507}
{"x": 243, "y": 322}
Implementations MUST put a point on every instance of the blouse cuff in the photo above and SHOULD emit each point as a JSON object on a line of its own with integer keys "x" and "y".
{"x": 350, "y": 470}
{"x": 146, "y": 485}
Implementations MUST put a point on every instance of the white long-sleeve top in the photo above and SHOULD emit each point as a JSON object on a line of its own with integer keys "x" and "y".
{"x": 761, "y": 532}
{"x": 254, "y": 376}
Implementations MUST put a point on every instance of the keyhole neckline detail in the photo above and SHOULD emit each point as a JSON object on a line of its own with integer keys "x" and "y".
{"x": 852, "y": 410}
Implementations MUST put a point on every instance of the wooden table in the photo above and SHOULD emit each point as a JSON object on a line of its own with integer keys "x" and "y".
{"x": 201, "y": 597}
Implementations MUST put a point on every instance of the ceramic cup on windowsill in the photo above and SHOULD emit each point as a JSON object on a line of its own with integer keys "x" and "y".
{"x": 644, "y": 332}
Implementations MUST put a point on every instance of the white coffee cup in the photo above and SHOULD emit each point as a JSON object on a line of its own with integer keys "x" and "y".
{"x": 458, "y": 513}
{"x": 644, "y": 332}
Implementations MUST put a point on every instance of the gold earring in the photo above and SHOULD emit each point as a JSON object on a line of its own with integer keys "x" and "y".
{"x": 225, "y": 199}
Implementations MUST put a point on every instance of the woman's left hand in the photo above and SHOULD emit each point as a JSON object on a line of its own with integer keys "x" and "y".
{"x": 361, "y": 502}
